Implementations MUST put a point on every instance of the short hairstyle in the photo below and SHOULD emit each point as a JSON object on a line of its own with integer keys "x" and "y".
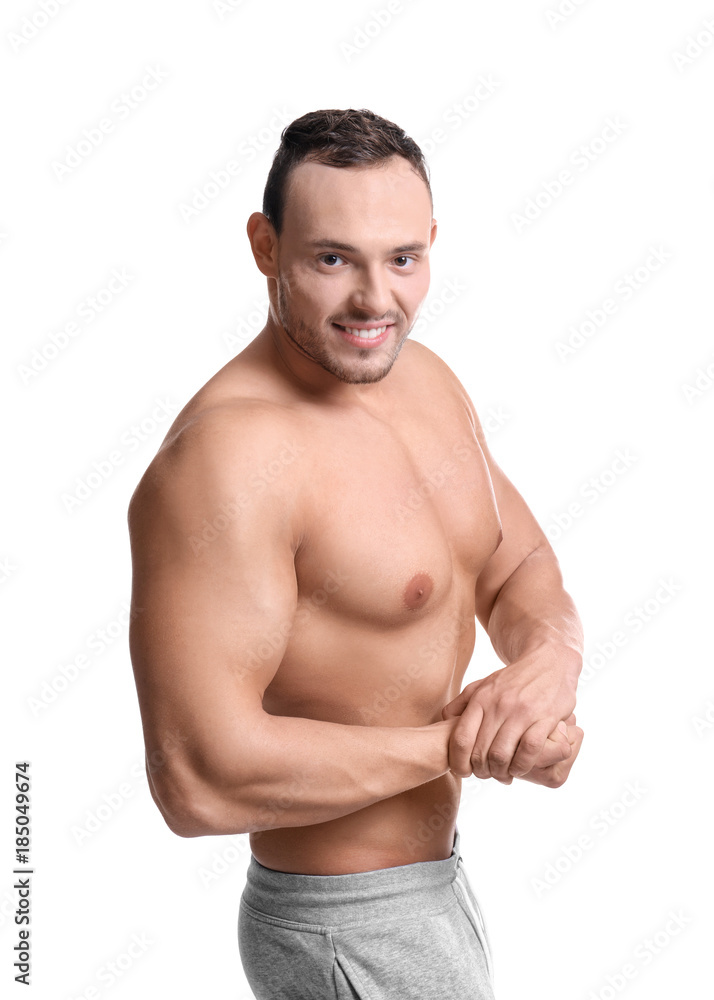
{"x": 339, "y": 139}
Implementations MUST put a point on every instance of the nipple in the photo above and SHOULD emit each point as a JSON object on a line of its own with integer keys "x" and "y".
{"x": 418, "y": 591}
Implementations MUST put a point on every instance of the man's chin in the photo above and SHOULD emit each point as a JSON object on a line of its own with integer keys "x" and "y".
{"x": 363, "y": 369}
{"x": 373, "y": 370}
{"x": 361, "y": 378}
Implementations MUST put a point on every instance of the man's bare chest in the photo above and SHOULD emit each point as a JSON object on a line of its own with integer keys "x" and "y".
{"x": 395, "y": 517}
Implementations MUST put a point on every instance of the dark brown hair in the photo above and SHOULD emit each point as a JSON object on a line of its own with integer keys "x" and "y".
{"x": 339, "y": 139}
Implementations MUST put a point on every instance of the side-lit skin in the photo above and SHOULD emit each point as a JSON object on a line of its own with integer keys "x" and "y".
{"x": 269, "y": 647}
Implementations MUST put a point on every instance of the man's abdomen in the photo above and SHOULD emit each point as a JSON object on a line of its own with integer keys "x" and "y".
{"x": 401, "y": 677}
{"x": 416, "y": 825}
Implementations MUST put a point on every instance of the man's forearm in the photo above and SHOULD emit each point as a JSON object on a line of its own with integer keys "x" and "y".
{"x": 533, "y": 610}
{"x": 296, "y": 772}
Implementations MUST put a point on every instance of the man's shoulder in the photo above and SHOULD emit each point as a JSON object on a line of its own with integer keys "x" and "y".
{"x": 235, "y": 423}
{"x": 430, "y": 372}
{"x": 423, "y": 361}
{"x": 215, "y": 446}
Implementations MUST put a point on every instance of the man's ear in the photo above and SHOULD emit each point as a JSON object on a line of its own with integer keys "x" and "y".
{"x": 433, "y": 233}
{"x": 263, "y": 243}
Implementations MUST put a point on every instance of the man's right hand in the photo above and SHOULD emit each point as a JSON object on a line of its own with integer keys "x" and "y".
{"x": 551, "y": 773}
{"x": 553, "y": 765}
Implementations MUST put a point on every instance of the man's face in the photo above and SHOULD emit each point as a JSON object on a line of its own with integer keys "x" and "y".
{"x": 353, "y": 258}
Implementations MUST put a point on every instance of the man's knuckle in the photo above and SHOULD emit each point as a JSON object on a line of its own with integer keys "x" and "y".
{"x": 508, "y": 704}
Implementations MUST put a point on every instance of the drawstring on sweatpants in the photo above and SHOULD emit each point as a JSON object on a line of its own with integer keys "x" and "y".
{"x": 478, "y": 920}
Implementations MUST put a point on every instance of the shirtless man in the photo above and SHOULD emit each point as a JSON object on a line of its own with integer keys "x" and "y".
{"x": 311, "y": 546}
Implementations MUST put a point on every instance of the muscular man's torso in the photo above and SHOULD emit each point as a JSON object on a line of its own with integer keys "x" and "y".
{"x": 400, "y": 517}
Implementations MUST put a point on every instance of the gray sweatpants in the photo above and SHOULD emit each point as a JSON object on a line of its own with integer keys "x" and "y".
{"x": 414, "y": 932}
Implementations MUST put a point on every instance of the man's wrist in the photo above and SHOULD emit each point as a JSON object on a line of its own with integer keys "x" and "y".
{"x": 560, "y": 649}
{"x": 439, "y": 734}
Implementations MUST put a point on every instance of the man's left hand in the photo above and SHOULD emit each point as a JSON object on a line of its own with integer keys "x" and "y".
{"x": 506, "y": 718}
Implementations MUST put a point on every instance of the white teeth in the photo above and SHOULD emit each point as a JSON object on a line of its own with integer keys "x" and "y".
{"x": 366, "y": 334}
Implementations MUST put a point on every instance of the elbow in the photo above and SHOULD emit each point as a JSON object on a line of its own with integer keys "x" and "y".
{"x": 189, "y": 819}
{"x": 192, "y": 809}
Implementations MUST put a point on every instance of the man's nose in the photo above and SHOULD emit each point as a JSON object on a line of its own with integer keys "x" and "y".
{"x": 372, "y": 294}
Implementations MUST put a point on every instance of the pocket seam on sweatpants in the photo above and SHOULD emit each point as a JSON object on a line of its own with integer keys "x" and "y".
{"x": 349, "y": 973}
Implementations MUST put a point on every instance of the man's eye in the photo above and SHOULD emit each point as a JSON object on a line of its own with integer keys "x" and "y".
{"x": 402, "y": 261}
{"x": 330, "y": 258}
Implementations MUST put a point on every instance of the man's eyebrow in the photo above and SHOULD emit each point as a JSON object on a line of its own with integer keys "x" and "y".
{"x": 415, "y": 247}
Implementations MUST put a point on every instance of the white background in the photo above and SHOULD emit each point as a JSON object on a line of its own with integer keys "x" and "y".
{"x": 559, "y": 927}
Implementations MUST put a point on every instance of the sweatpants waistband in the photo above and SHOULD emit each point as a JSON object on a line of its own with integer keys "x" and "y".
{"x": 325, "y": 898}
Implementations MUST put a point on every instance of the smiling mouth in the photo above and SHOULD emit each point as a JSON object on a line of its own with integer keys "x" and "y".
{"x": 365, "y": 332}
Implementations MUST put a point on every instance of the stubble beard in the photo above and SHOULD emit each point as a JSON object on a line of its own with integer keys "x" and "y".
{"x": 313, "y": 344}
